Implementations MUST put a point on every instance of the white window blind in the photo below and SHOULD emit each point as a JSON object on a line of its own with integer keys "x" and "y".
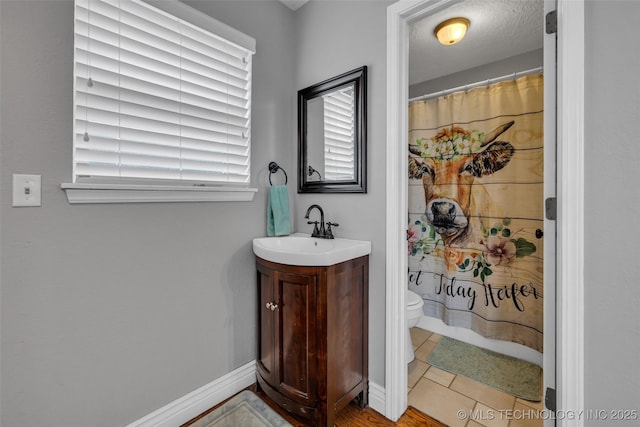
{"x": 158, "y": 99}
{"x": 339, "y": 135}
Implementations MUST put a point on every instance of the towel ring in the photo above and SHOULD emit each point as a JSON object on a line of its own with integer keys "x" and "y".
{"x": 273, "y": 168}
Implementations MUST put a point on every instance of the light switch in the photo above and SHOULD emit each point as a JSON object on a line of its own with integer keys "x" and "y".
{"x": 26, "y": 190}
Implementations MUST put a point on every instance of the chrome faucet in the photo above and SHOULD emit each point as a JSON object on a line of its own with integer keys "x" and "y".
{"x": 320, "y": 231}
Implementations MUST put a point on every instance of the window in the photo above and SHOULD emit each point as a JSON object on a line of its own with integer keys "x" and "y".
{"x": 339, "y": 135}
{"x": 160, "y": 102}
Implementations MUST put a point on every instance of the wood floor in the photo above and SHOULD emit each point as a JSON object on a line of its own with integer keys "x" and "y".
{"x": 351, "y": 416}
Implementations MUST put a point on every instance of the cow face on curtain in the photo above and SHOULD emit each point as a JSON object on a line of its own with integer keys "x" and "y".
{"x": 448, "y": 164}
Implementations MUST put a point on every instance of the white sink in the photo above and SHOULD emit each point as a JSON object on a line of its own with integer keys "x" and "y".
{"x": 302, "y": 249}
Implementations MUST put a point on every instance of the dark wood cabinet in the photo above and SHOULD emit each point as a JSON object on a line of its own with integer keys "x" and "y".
{"x": 313, "y": 337}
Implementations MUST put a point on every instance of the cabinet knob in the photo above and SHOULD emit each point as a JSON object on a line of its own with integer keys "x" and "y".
{"x": 271, "y": 306}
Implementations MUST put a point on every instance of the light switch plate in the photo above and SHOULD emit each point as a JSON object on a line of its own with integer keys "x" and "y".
{"x": 26, "y": 190}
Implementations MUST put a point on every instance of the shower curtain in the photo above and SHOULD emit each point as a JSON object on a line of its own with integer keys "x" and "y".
{"x": 475, "y": 226}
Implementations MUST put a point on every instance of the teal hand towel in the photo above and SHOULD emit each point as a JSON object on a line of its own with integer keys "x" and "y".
{"x": 278, "y": 222}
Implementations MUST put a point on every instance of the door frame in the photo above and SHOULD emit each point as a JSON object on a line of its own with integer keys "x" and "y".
{"x": 570, "y": 194}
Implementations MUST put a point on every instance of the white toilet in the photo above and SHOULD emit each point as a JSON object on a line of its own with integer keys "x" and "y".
{"x": 414, "y": 312}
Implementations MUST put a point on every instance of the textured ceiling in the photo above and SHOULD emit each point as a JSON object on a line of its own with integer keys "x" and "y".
{"x": 499, "y": 29}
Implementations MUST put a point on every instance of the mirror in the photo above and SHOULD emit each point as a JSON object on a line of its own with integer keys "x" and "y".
{"x": 332, "y": 122}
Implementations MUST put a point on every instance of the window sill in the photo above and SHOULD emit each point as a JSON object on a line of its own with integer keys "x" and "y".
{"x": 121, "y": 193}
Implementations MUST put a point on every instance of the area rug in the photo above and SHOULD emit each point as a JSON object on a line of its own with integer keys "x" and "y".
{"x": 506, "y": 373}
{"x": 243, "y": 410}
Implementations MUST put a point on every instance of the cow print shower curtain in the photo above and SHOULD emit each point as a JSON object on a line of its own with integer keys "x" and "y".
{"x": 475, "y": 231}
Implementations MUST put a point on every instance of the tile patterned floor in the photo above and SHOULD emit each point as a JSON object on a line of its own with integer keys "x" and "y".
{"x": 459, "y": 401}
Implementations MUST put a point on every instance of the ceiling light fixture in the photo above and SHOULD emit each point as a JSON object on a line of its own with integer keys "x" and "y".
{"x": 451, "y": 31}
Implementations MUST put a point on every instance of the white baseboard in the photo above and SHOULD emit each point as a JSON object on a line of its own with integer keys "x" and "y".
{"x": 377, "y": 398}
{"x": 198, "y": 401}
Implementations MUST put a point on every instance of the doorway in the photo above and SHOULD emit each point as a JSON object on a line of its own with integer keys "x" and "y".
{"x": 569, "y": 183}
{"x": 479, "y": 106}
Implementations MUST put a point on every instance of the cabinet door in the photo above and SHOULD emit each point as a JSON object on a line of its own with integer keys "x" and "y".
{"x": 297, "y": 314}
{"x": 267, "y": 351}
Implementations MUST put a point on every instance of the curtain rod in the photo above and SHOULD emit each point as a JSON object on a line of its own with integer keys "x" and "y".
{"x": 487, "y": 82}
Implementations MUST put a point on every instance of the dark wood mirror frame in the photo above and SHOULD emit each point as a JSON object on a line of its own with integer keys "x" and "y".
{"x": 357, "y": 78}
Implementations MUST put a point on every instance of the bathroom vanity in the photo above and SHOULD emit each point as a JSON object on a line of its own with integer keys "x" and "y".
{"x": 313, "y": 336}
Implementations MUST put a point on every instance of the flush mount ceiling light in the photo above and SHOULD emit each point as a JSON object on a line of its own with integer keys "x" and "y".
{"x": 451, "y": 31}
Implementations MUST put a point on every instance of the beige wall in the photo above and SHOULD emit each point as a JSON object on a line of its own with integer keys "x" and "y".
{"x": 612, "y": 294}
